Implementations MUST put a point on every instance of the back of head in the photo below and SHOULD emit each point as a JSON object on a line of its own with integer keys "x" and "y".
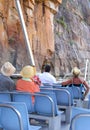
{"x": 76, "y": 71}
{"x": 47, "y": 68}
{"x": 7, "y": 69}
{"x": 28, "y": 71}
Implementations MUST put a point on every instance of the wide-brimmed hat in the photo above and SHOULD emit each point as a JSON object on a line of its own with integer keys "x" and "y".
{"x": 28, "y": 71}
{"x": 8, "y": 69}
{"x": 76, "y": 71}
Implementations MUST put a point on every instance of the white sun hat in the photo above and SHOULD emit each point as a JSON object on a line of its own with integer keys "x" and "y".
{"x": 8, "y": 69}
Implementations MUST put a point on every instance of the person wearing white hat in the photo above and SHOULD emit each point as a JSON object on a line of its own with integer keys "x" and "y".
{"x": 6, "y": 83}
{"x": 76, "y": 80}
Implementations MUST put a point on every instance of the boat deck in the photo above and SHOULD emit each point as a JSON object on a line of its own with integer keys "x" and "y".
{"x": 64, "y": 126}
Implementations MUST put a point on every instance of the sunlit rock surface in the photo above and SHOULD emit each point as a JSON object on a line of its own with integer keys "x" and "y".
{"x": 38, "y": 16}
{"x": 58, "y": 30}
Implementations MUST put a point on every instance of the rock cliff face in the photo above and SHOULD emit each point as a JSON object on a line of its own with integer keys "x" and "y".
{"x": 38, "y": 16}
{"x": 64, "y": 41}
{"x": 72, "y": 35}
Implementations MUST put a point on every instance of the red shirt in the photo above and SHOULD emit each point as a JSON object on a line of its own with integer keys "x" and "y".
{"x": 27, "y": 86}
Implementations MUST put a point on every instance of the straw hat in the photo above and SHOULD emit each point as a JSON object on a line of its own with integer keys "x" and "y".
{"x": 76, "y": 71}
{"x": 8, "y": 69}
{"x": 28, "y": 71}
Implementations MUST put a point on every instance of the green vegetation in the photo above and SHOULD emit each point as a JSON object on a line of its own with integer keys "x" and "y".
{"x": 58, "y": 33}
{"x": 11, "y": 39}
{"x": 72, "y": 42}
{"x": 62, "y": 22}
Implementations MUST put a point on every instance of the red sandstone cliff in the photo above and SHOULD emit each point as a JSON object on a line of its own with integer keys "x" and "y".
{"x": 38, "y": 16}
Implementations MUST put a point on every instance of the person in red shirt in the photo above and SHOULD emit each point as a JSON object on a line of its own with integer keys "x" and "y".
{"x": 76, "y": 80}
{"x": 27, "y": 84}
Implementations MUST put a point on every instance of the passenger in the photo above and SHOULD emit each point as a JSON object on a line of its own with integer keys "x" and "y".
{"x": 27, "y": 84}
{"x": 6, "y": 83}
{"x": 46, "y": 61}
{"x": 37, "y": 80}
{"x": 76, "y": 80}
{"x": 46, "y": 77}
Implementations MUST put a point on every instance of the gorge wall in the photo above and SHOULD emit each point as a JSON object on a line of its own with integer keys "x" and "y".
{"x": 38, "y": 16}
{"x": 72, "y": 36}
{"x": 61, "y": 35}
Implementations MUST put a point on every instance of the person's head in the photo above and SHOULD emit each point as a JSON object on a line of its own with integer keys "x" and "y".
{"x": 76, "y": 72}
{"x": 47, "y": 68}
{"x": 28, "y": 71}
{"x": 8, "y": 69}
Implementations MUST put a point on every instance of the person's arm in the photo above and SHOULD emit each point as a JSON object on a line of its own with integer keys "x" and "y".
{"x": 68, "y": 82}
{"x": 87, "y": 88}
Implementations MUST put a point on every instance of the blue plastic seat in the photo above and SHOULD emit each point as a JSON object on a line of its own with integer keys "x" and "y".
{"x": 44, "y": 100}
{"x": 65, "y": 102}
{"x": 47, "y": 84}
{"x": 5, "y": 97}
{"x": 89, "y": 102}
{"x": 77, "y": 91}
{"x": 79, "y": 110}
{"x": 14, "y": 116}
{"x": 57, "y": 86}
{"x": 80, "y": 122}
{"x": 24, "y": 97}
{"x": 63, "y": 97}
{"x": 80, "y": 119}
{"x": 46, "y": 109}
{"x": 46, "y": 89}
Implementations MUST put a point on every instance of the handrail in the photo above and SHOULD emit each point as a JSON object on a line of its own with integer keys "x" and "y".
{"x": 25, "y": 32}
{"x": 17, "y": 113}
{"x": 86, "y": 69}
{"x": 37, "y": 94}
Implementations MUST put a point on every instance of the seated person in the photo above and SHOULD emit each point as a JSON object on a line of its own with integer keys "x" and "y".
{"x": 46, "y": 77}
{"x": 27, "y": 84}
{"x": 76, "y": 80}
{"x": 6, "y": 83}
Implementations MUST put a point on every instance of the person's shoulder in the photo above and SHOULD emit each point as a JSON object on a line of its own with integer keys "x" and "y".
{"x": 52, "y": 76}
{"x": 19, "y": 81}
{"x": 81, "y": 79}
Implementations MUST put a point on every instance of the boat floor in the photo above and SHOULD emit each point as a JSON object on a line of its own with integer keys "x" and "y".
{"x": 64, "y": 126}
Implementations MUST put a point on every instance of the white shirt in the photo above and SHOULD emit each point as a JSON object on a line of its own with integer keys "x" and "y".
{"x": 46, "y": 77}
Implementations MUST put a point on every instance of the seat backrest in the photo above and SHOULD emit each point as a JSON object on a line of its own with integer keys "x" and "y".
{"x": 79, "y": 110}
{"x": 24, "y": 97}
{"x": 81, "y": 122}
{"x": 88, "y": 101}
{"x": 63, "y": 97}
{"x": 47, "y": 84}
{"x": 5, "y": 97}
{"x": 77, "y": 91}
{"x": 14, "y": 116}
{"x": 46, "y": 104}
{"x": 57, "y": 86}
{"x": 46, "y": 89}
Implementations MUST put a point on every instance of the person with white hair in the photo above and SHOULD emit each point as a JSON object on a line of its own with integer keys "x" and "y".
{"x": 76, "y": 80}
{"x": 6, "y": 83}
